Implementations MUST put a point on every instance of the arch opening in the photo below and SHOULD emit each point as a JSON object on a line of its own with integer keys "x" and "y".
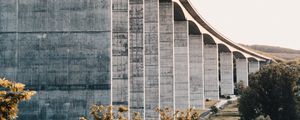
{"x": 238, "y": 55}
{"x": 208, "y": 40}
{"x": 223, "y": 48}
{"x": 178, "y": 13}
{"x": 193, "y": 29}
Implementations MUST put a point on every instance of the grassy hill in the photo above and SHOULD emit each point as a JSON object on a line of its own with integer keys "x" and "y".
{"x": 275, "y": 52}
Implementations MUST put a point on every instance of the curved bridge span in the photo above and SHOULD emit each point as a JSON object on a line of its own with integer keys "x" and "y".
{"x": 142, "y": 54}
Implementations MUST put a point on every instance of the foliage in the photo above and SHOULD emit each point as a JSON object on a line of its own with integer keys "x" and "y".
{"x": 271, "y": 92}
{"x": 100, "y": 112}
{"x": 10, "y": 96}
{"x": 189, "y": 114}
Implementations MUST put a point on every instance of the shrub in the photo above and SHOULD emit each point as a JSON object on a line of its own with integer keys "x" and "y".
{"x": 12, "y": 94}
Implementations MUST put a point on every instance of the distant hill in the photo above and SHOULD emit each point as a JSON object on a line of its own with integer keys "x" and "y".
{"x": 276, "y": 52}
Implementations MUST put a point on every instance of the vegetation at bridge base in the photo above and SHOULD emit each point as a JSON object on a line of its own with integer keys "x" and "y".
{"x": 271, "y": 92}
{"x": 11, "y": 94}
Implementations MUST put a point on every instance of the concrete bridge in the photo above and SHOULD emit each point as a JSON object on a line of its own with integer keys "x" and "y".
{"x": 139, "y": 53}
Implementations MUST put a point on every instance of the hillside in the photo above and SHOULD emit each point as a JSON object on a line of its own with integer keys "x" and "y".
{"x": 276, "y": 52}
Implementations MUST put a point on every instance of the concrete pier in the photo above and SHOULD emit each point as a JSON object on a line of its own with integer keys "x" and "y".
{"x": 211, "y": 72}
{"x": 196, "y": 67}
{"x": 166, "y": 39}
{"x": 151, "y": 59}
{"x": 253, "y": 65}
{"x": 181, "y": 65}
{"x": 136, "y": 51}
{"x": 226, "y": 73}
{"x": 120, "y": 53}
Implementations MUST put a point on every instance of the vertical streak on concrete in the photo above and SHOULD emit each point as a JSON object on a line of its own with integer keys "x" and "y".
{"x": 136, "y": 26}
{"x": 242, "y": 71}
{"x": 166, "y": 53}
{"x": 120, "y": 52}
{"x": 253, "y": 66}
{"x": 226, "y": 71}
{"x": 151, "y": 59}
{"x": 196, "y": 71}
{"x": 211, "y": 72}
{"x": 181, "y": 64}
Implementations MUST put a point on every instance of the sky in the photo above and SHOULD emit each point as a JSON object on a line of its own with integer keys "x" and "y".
{"x": 263, "y": 22}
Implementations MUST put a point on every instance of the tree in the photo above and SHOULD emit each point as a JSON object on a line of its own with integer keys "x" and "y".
{"x": 271, "y": 92}
{"x": 11, "y": 95}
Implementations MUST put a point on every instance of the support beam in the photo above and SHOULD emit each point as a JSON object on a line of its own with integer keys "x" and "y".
{"x": 196, "y": 71}
{"x": 181, "y": 65}
{"x": 166, "y": 53}
{"x": 151, "y": 59}
{"x": 226, "y": 73}
{"x": 211, "y": 72}
{"x": 242, "y": 71}
{"x": 136, "y": 51}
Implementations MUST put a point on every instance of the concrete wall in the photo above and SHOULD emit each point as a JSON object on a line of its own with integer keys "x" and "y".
{"x": 253, "y": 66}
{"x": 120, "y": 52}
{"x": 166, "y": 53}
{"x": 151, "y": 59}
{"x": 226, "y": 73}
{"x": 60, "y": 49}
{"x": 211, "y": 72}
{"x": 136, "y": 51}
{"x": 181, "y": 64}
{"x": 196, "y": 71}
{"x": 242, "y": 70}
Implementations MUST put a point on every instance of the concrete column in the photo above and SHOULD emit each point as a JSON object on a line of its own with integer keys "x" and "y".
{"x": 226, "y": 73}
{"x": 242, "y": 71}
{"x": 166, "y": 53}
{"x": 120, "y": 52}
{"x": 211, "y": 72}
{"x": 181, "y": 64}
{"x": 151, "y": 59}
{"x": 136, "y": 51}
{"x": 196, "y": 71}
{"x": 253, "y": 66}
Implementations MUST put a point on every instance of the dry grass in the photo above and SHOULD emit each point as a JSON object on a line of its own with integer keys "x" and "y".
{"x": 210, "y": 103}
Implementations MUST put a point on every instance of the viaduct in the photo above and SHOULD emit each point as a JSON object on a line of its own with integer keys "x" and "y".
{"x": 138, "y": 53}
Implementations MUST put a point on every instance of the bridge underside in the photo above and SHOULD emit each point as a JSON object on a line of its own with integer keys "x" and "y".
{"x": 142, "y": 54}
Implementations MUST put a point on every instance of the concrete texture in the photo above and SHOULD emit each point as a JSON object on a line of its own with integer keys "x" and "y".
{"x": 136, "y": 51}
{"x": 76, "y": 53}
{"x": 151, "y": 59}
{"x": 61, "y": 50}
{"x": 211, "y": 72}
{"x": 196, "y": 71}
{"x": 181, "y": 65}
{"x": 166, "y": 53}
{"x": 226, "y": 73}
{"x": 120, "y": 95}
{"x": 242, "y": 71}
{"x": 253, "y": 66}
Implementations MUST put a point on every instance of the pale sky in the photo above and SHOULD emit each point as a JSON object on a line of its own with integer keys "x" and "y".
{"x": 264, "y": 22}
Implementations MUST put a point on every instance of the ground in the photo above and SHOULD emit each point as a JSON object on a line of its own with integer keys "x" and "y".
{"x": 230, "y": 112}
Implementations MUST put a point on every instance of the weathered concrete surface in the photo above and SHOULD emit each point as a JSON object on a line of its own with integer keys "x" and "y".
{"x": 166, "y": 53}
{"x": 120, "y": 52}
{"x": 226, "y": 73}
{"x": 242, "y": 71}
{"x": 60, "y": 49}
{"x": 136, "y": 39}
{"x": 151, "y": 59}
{"x": 211, "y": 72}
{"x": 196, "y": 71}
{"x": 181, "y": 65}
{"x": 253, "y": 66}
